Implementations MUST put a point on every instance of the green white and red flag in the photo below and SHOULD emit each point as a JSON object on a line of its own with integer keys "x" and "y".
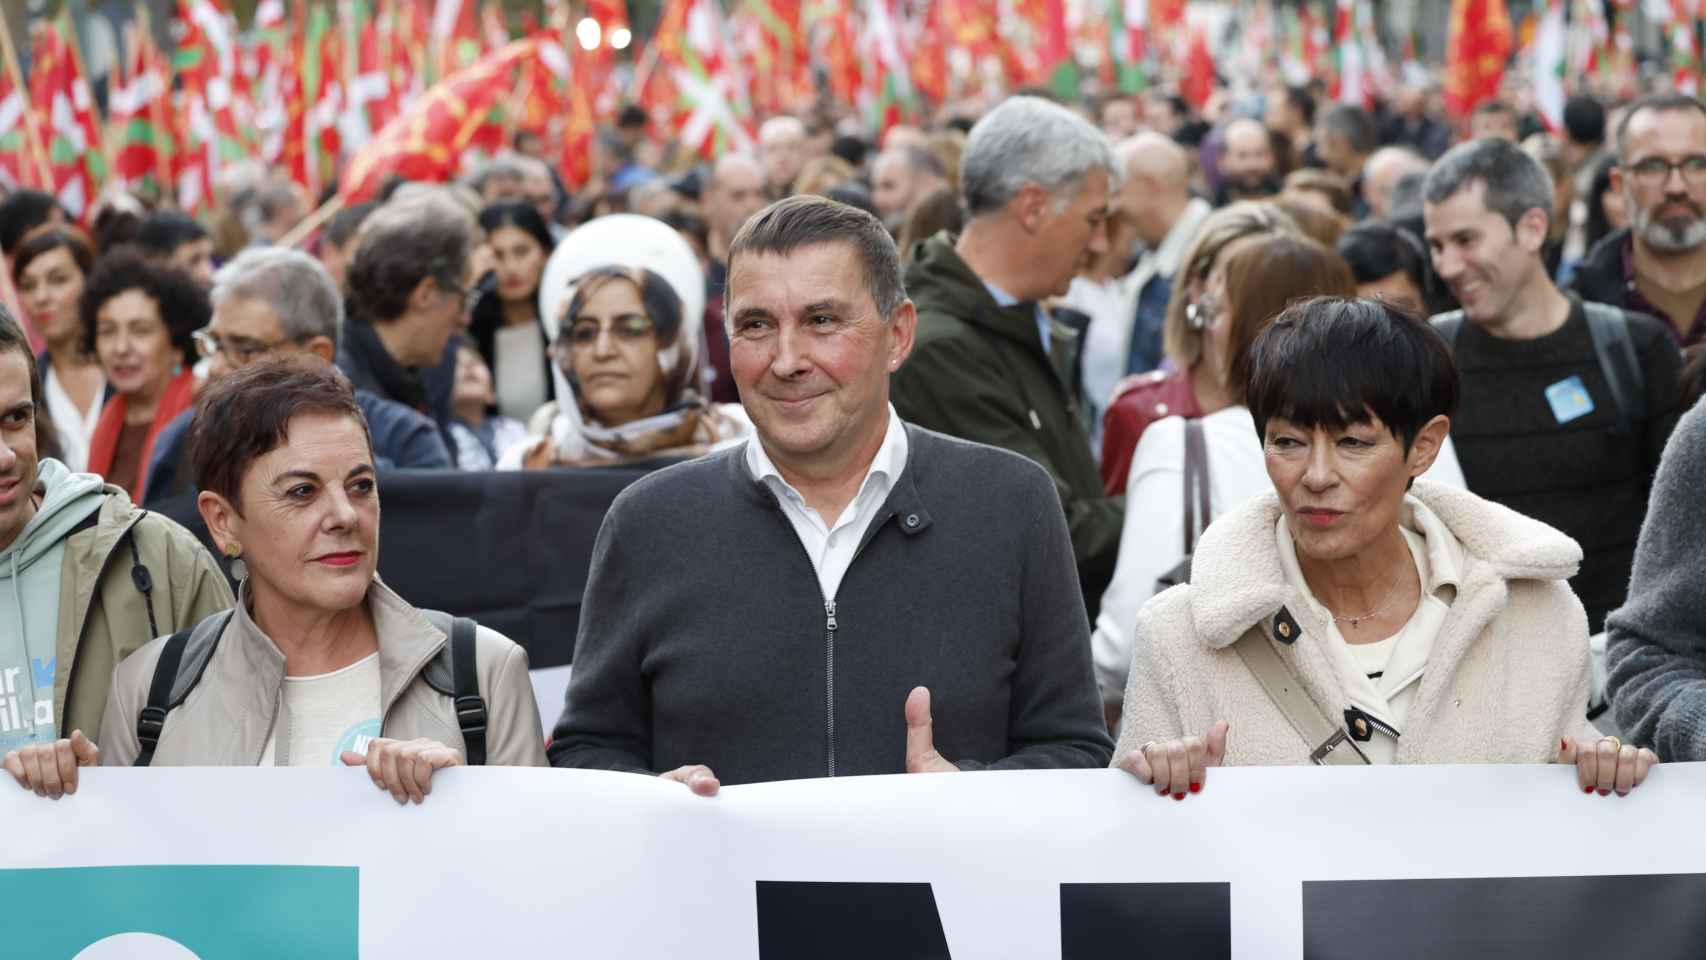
{"x": 887, "y": 96}
{"x": 23, "y": 159}
{"x": 1684, "y": 37}
{"x": 140, "y": 115}
{"x": 454, "y": 38}
{"x": 60, "y": 97}
{"x": 1548, "y": 55}
{"x": 206, "y": 67}
{"x": 710, "y": 112}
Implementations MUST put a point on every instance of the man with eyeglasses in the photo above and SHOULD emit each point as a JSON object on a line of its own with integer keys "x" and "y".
{"x": 273, "y": 302}
{"x": 1657, "y": 265}
{"x": 1566, "y": 406}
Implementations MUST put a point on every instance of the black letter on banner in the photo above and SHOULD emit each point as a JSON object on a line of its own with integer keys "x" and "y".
{"x": 855, "y": 921}
{"x": 1179, "y": 921}
{"x": 1657, "y": 917}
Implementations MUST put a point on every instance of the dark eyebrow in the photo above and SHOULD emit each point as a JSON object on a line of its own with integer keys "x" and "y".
{"x": 825, "y": 306}
{"x": 27, "y": 406}
{"x": 359, "y": 469}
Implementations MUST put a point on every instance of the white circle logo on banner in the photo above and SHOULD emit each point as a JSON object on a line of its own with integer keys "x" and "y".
{"x": 136, "y": 946}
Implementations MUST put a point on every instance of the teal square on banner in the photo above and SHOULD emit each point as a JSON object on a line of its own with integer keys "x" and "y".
{"x": 174, "y": 913}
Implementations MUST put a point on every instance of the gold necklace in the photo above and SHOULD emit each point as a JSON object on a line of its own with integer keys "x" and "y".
{"x": 1356, "y": 621}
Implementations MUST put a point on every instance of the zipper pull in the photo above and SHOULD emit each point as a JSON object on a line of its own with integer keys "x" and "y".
{"x": 829, "y": 611}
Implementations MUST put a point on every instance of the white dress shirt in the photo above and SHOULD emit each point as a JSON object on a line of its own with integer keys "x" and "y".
{"x": 75, "y": 427}
{"x": 832, "y": 547}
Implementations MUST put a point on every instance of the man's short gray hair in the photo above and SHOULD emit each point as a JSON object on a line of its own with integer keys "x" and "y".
{"x": 1513, "y": 182}
{"x": 294, "y": 285}
{"x": 502, "y": 167}
{"x": 1030, "y": 140}
{"x": 807, "y": 220}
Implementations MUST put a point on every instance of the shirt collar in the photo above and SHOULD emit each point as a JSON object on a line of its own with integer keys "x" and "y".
{"x": 1002, "y": 297}
{"x": 888, "y": 463}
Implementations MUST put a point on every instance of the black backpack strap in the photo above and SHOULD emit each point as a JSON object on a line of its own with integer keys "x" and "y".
{"x": 1617, "y": 361}
{"x": 1449, "y": 324}
{"x": 183, "y": 659}
{"x": 152, "y": 720}
{"x": 462, "y": 684}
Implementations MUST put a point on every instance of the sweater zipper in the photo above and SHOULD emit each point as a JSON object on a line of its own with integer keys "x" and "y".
{"x": 830, "y": 627}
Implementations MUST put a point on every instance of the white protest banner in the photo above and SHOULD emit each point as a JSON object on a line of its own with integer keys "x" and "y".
{"x": 1458, "y": 862}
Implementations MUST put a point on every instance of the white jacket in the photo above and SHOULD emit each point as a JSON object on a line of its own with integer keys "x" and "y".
{"x": 1152, "y": 538}
{"x": 1506, "y": 678}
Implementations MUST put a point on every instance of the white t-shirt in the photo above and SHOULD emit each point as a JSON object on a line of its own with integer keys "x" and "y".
{"x": 328, "y": 714}
{"x": 520, "y": 373}
{"x": 832, "y": 548}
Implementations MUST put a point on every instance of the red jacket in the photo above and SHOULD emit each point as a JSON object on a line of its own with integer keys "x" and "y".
{"x": 1143, "y": 401}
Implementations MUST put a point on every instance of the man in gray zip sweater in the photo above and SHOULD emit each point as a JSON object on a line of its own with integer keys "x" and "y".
{"x": 845, "y": 594}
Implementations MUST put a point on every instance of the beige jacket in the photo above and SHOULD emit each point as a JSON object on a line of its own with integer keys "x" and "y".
{"x": 227, "y": 718}
{"x": 103, "y": 617}
{"x": 1507, "y": 675}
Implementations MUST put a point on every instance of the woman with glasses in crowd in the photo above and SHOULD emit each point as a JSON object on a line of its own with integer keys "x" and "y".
{"x": 628, "y": 356}
{"x": 139, "y": 320}
{"x": 49, "y": 271}
{"x": 1357, "y": 613}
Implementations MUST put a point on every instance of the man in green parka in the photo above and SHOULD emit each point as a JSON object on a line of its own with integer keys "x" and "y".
{"x": 990, "y": 365}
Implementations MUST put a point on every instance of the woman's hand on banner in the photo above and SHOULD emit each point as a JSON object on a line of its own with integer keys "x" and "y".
{"x": 404, "y": 767}
{"x": 1181, "y": 766}
{"x": 1607, "y": 765}
{"x": 50, "y": 769}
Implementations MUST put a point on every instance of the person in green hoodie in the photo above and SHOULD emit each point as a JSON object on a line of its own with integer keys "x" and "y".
{"x": 990, "y": 364}
{"x": 85, "y": 579}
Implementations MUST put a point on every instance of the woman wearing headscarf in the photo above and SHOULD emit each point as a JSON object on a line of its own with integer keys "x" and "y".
{"x": 1357, "y": 614}
{"x": 628, "y": 359}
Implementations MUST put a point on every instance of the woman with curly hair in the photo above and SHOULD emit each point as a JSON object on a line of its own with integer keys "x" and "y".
{"x": 139, "y": 321}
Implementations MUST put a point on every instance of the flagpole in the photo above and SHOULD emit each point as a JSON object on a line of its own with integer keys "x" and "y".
{"x": 313, "y": 222}
{"x": 31, "y": 131}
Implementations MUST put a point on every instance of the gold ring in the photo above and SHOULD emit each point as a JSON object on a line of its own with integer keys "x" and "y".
{"x": 1619, "y": 743}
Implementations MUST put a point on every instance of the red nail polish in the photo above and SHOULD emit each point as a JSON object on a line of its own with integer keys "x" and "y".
{"x": 1178, "y": 796}
{"x": 1196, "y": 788}
{"x": 1587, "y": 789}
{"x": 1605, "y": 793}
{"x": 1563, "y": 745}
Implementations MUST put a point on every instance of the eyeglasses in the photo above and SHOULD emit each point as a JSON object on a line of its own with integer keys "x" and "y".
{"x": 584, "y": 333}
{"x": 470, "y": 295}
{"x": 238, "y": 350}
{"x": 1655, "y": 171}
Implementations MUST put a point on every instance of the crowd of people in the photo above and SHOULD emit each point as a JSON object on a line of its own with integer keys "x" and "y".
{"x": 1048, "y": 435}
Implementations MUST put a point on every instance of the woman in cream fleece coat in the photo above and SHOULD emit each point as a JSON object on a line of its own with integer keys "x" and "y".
{"x": 1421, "y": 624}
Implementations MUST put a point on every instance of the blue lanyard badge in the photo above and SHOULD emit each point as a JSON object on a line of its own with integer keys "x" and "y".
{"x": 1569, "y": 399}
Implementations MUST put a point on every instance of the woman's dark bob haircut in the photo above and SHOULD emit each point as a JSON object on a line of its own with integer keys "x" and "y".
{"x": 246, "y": 414}
{"x": 1333, "y": 361}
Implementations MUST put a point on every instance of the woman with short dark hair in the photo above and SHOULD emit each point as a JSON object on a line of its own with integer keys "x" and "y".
{"x": 319, "y": 664}
{"x": 1354, "y": 615}
{"x": 139, "y": 320}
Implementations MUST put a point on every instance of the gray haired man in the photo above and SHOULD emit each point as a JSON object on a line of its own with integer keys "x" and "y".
{"x": 991, "y": 364}
{"x": 847, "y": 608}
{"x": 274, "y": 302}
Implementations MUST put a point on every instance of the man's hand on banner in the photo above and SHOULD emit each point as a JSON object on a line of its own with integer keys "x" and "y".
{"x": 921, "y": 755}
{"x": 698, "y": 778}
{"x": 50, "y": 769}
{"x": 1178, "y": 766}
{"x": 404, "y": 767}
{"x": 1607, "y": 765}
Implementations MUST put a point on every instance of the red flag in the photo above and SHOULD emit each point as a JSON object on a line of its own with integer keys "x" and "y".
{"x": 60, "y": 96}
{"x": 140, "y": 114}
{"x": 23, "y": 154}
{"x": 455, "y": 39}
{"x": 426, "y": 141}
{"x": 1475, "y": 55}
{"x": 206, "y": 66}
{"x": 1197, "y": 84}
